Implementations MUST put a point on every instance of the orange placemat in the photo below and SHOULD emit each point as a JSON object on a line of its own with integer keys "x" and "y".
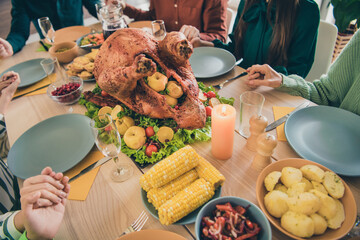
{"x": 278, "y": 113}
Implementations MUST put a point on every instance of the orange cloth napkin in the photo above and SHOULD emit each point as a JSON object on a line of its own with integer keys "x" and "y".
{"x": 278, "y": 113}
{"x": 43, "y": 83}
{"x": 80, "y": 187}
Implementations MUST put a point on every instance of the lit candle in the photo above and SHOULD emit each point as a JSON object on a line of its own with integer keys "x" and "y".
{"x": 222, "y": 131}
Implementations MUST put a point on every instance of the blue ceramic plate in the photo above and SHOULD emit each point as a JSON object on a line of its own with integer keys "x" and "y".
{"x": 326, "y": 135}
{"x": 59, "y": 142}
{"x": 30, "y": 71}
{"x": 190, "y": 218}
{"x": 207, "y": 62}
{"x": 254, "y": 213}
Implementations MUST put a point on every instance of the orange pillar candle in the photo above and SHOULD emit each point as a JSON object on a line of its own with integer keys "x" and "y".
{"x": 222, "y": 131}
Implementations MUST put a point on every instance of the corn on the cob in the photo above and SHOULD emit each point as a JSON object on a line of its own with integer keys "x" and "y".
{"x": 158, "y": 196}
{"x": 172, "y": 167}
{"x": 186, "y": 201}
{"x": 207, "y": 171}
{"x": 145, "y": 183}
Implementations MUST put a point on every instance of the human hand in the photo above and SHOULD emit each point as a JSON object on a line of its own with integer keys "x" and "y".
{"x": 190, "y": 32}
{"x": 43, "y": 200}
{"x": 8, "y": 85}
{"x": 197, "y": 42}
{"x": 263, "y": 75}
{"x": 6, "y": 49}
{"x": 116, "y": 3}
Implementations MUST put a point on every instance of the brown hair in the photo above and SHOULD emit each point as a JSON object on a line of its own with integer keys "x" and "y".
{"x": 286, "y": 12}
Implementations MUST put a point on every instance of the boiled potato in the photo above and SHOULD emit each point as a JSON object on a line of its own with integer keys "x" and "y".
{"x": 308, "y": 184}
{"x": 281, "y": 187}
{"x": 276, "y": 203}
{"x": 296, "y": 189}
{"x": 333, "y": 185}
{"x": 336, "y": 221}
{"x": 312, "y": 172}
{"x": 271, "y": 180}
{"x": 328, "y": 205}
{"x": 290, "y": 175}
{"x": 298, "y": 224}
{"x": 319, "y": 223}
{"x": 318, "y": 186}
{"x": 305, "y": 203}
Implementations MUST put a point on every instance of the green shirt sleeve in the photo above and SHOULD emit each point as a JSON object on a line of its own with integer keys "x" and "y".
{"x": 20, "y": 25}
{"x": 339, "y": 87}
{"x": 231, "y": 45}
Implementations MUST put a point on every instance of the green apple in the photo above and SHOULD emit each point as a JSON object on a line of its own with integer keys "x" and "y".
{"x": 135, "y": 137}
{"x": 123, "y": 124}
{"x": 165, "y": 134}
{"x": 174, "y": 89}
{"x": 157, "y": 81}
{"x": 170, "y": 100}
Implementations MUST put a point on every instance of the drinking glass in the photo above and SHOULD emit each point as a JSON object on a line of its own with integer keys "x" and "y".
{"x": 158, "y": 29}
{"x": 251, "y": 103}
{"x": 51, "y": 65}
{"x": 108, "y": 141}
{"x": 47, "y": 29}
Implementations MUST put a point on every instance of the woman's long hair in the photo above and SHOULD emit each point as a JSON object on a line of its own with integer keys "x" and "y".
{"x": 285, "y": 16}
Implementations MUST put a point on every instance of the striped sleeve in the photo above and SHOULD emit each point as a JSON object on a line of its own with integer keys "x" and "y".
{"x": 4, "y": 142}
{"x": 9, "y": 190}
{"x": 7, "y": 226}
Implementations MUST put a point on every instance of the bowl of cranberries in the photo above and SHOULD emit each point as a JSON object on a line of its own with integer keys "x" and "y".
{"x": 66, "y": 92}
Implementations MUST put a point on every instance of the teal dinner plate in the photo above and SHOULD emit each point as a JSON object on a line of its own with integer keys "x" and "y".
{"x": 30, "y": 71}
{"x": 190, "y": 218}
{"x": 207, "y": 62}
{"x": 59, "y": 142}
{"x": 326, "y": 135}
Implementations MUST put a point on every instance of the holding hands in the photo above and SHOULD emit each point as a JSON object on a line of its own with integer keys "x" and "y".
{"x": 6, "y": 49}
{"x": 263, "y": 75}
{"x": 43, "y": 199}
{"x": 8, "y": 85}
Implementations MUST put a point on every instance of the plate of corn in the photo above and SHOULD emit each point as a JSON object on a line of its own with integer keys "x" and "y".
{"x": 174, "y": 189}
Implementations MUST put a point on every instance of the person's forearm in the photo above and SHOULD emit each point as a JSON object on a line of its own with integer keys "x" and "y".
{"x": 4, "y": 101}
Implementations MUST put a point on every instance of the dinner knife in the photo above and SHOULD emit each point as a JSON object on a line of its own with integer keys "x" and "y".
{"x": 278, "y": 122}
{"x": 91, "y": 167}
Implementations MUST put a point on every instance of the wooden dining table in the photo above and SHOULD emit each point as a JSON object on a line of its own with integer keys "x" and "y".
{"x": 111, "y": 207}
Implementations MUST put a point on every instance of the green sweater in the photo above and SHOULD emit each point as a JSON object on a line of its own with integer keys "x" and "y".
{"x": 62, "y": 13}
{"x": 340, "y": 87}
{"x": 258, "y": 37}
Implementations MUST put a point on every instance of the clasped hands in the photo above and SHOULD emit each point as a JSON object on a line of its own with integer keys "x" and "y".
{"x": 43, "y": 199}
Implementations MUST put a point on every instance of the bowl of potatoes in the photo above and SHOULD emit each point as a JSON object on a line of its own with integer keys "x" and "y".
{"x": 304, "y": 199}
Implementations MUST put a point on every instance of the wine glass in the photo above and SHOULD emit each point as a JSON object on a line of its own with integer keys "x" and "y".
{"x": 158, "y": 29}
{"x": 108, "y": 141}
{"x": 47, "y": 29}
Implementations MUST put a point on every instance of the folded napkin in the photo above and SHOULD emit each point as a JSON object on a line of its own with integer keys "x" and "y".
{"x": 278, "y": 113}
{"x": 41, "y": 85}
{"x": 42, "y": 49}
{"x": 80, "y": 187}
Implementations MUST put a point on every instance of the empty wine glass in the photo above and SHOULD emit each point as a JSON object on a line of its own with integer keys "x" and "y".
{"x": 108, "y": 141}
{"x": 158, "y": 29}
{"x": 98, "y": 6}
{"x": 47, "y": 29}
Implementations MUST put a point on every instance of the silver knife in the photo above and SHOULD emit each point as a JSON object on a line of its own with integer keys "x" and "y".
{"x": 278, "y": 122}
{"x": 91, "y": 167}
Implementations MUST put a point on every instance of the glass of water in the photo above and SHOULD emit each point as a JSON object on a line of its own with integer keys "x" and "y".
{"x": 158, "y": 29}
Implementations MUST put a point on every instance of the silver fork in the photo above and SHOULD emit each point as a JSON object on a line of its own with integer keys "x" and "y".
{"x": 221, "y": 85}
{"x": 137, "y": 225}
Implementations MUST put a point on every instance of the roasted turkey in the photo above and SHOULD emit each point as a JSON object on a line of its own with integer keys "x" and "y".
{"x": 128, "y": 56}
